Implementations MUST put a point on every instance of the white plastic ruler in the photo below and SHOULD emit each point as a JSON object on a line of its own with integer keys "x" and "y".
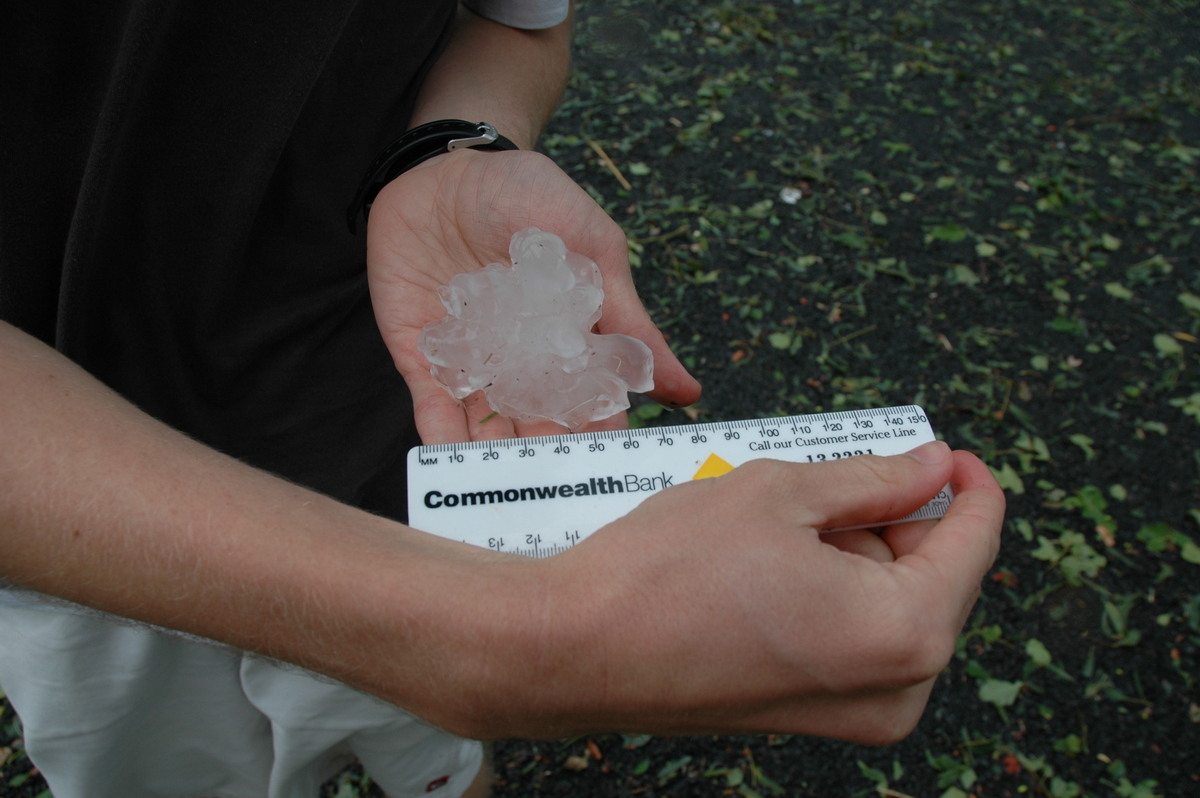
{"x": 541, "y": 496}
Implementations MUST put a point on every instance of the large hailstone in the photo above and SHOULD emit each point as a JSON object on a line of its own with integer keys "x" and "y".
{"x": 522, "y": 335}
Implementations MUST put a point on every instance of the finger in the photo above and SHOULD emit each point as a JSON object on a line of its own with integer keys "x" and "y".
{"x": 484, "y": 423}
{"x": 611, "y": 424}
{"x": 547, "y": 428}
{"x": 904, "y": 538}
{"x": 674, "y": 386}
{"x": 963, "y": 545}
{"x": 867, "y": 490}
{"x": 624, "y": 313}
{"x": 543, "y": 428}
{"x": 861, "y": 542}
{"x": 439, "y": 417}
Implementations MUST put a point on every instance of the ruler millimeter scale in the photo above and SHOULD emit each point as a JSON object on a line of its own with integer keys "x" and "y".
{"x": 541, "y": 496}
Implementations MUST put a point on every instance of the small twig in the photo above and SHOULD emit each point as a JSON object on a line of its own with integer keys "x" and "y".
{"x": 610, "y": 165}
{"x": 855, "y": 334}
{"x": 999, "y": 414}
{"x": 682, "y": 230}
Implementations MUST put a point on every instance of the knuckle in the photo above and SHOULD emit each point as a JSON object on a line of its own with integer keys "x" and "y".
{"x": 895, "y": 722}
{"x": 760, "y": 469}
{"x": 912, "y": 649}
{"x": 772, "y": 479}
{"x": 873, "y": 471}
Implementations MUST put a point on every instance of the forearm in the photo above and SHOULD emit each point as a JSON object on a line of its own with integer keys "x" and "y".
{"x": 493, "y": 73}
{"x": 101, "y": 505}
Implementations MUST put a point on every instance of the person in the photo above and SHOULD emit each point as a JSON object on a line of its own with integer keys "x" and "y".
{"x": 206, "y": 400}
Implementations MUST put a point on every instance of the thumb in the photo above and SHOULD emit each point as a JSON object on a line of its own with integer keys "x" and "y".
{"x": 869, "y": 490}
{"x": 624, "y": 313}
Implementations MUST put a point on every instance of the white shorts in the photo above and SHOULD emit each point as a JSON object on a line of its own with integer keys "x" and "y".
{"x": 117, "y": 711}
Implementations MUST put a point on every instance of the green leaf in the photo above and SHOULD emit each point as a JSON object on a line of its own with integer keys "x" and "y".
{"x": 1090, "y": 501}
{"x": 962, "y": 275}
{"x": 634, "y": 741}
{"x": 1110, "y": 242}
{"x": 1046, "y": 551}
{"x": 951, "y": 233}
{"x": 1167, "y": 346}
{"x": 850, "y": 239}
{"x": 1082, "y": 560}
{"x": 1071, "y": 745}
{"x": 1189, "y": 404}
{"x": 1117, "y": 290}
{"x": 1190, "y": 552}
{"x": 1037, "y": 652}
{"x": 639, "y": 415}
{"x": 1059, "y": 788}
{"x": 1085, "y": 443}
{"x": 1009, "y": 479}
{"x": 1157, "y": 537}
{"x": 873, "y": 774}
{"x": 999, "y": 692}
{"x": 672, "y": 769}
{"x": 1066, "y": 325}
{"x": 780, "y": 340}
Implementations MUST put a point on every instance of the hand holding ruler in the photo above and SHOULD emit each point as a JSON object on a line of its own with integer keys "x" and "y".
{"x": 541, "y": 496}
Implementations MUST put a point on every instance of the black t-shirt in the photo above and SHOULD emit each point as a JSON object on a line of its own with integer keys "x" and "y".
{"x": 173, "y": 185}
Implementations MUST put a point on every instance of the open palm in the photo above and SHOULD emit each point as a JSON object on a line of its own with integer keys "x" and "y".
{"x": 457, "y": 213}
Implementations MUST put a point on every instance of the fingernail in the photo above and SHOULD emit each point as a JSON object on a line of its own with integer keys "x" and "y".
{"x": 930, "y": 453}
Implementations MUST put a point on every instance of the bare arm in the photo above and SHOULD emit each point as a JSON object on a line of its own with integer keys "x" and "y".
{"x": 102, "y": 505}
{"x": 494, "y": 73}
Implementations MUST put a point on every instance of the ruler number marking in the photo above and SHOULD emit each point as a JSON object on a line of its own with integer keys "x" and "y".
{"x": 821, "y": 457}
{"x": 814, "y": 438}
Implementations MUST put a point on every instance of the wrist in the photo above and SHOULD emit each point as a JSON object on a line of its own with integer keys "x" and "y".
{"x": 446, "y": 631}
{"x": 417, "y": 145}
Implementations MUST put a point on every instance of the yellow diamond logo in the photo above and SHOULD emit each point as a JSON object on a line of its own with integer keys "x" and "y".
{"x": 713, "y": 467}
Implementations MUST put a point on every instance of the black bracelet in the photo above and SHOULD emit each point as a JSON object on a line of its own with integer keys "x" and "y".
{"x": 417, "y": 146}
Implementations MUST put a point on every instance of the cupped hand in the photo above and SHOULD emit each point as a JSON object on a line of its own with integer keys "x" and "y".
{"x": 717, "y": 605}
{"x": 457, "y": 213}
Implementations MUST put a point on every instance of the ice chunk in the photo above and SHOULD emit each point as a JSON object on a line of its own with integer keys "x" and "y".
{"x": 523, "y": 335}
